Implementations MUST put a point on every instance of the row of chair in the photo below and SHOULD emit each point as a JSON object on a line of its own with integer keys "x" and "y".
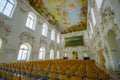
{"x": 52, "y": 70}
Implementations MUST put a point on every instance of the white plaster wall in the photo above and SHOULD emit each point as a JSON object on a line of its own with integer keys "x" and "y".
{"x": 100, "y": 40}
{"x": 35, "y": 38}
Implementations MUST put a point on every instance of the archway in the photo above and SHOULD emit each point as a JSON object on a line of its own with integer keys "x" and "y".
{"x": 111, "y": 38}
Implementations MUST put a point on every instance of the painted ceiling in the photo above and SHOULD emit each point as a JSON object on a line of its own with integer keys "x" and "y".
{"x": 65, "y": 15}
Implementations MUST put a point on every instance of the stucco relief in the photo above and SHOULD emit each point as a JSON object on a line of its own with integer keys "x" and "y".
{"x": 23, "y": 7}
{"x": 116, "y": 29}
{"x": 6, "y": 28}
{"x": 28, "y": 36}
{"x": 107, "y": 15}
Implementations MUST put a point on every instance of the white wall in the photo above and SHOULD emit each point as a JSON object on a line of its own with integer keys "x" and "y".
{"x": 13, "y": 39}
{"x": 107, "y": 19}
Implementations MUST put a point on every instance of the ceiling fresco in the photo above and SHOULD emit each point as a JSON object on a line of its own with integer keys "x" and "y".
{"x": 65, "y": 15}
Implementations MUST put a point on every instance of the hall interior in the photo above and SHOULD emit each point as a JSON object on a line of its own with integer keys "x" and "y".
{"x": 70, "y": 37}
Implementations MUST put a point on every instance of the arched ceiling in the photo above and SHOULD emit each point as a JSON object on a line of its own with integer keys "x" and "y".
{"x": 65, "y": 15}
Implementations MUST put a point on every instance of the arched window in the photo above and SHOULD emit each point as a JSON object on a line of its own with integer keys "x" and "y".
{"x": 51, "y": 54}
{"x": 0, "y": 43}
{"x": 7, "y": 7}
{"x": 31, "y": 21}
{"x": 99, "y": 2}
{"x": 24, "y": 52}
{"x": 93, "y": 17}
{"x": 42, "y": 53}
{"x": 58, "y": 55}
{"x": 58, "y": 38}
{"x": 44, "y": 29}
{"x": 65, "y": 55}
{"x": 52, "y": 35}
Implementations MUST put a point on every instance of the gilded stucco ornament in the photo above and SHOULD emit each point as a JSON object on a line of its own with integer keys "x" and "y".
{"x": 116, "y": 29}
{"x": 107, "y": 15}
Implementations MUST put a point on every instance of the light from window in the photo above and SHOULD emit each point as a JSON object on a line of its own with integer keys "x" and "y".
{"x": 7, "y": 7}
{"x": 93, "y": 17}
{"x": 0, "y": 43}
{"x": 42, "y": 53}
{"x": 65, "y": 55}
{"x": 51, "y": 54}
{"x": 58, "y": 38}
{"x": 91, "y": 28}
{"x": 23, "y": 52}
{"x": 52, "y": 35}
{"x": 58, "y": 55}
{"x": 99, "y": 2}
{"x": 44, "y": 29}
{"x": 31, "y": 21}
{"x": 90, "y": 34}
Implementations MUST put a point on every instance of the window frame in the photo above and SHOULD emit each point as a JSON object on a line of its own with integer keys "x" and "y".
{"x": 31, "y": 18}
{"x": 51, "y": 54}
{"x": 21, "y": 53}
{"x": 44, "y": 29}
{"x": 6, "y": 7}
{"x": 58, "y": 55}
{"x": 1, "y": 42}
{"x": 58, "y": 38}
{"x": 52, "y": 35}
{"x": 42, "y": 57}
{"x": 93, "y": 17}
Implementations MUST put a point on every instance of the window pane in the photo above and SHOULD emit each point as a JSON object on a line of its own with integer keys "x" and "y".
{"x": 44, "y": 29}
{"x": 0, "y": 43}
{"x": 58, "y": 54}
{"x": 23, "y": 52}
{"x": 20, "y": 55}
{"x": 52, "y": 35}
{"x": 2, "y": 4}
{"x": 93, "y": 17}
{"x": 11, "y": 1}
{"x": 58, "y": 39}
{"x": 91, "y": 28}
{"x": 51, "y": 54}
{"x": 31, "y": 24}
{"x": 30, "y": 21}
{"x": 8, "y": 9}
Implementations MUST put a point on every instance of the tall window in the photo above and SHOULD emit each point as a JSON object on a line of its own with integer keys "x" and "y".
{"x": 7, "y": 7}
{"x": 24, "y": 52}
{"x": 42, "y": 53}
{"x": 31, "y": 21}
{"x": 0, "y": 43}
{"x": 93, "y": 17}
{"x": 58, "y": 55}
{"x": 44, "y": 29}
{"x": 99, "y": 2}
{"x": 51, "y": 54}
{"x": 58, "y": 38}
{"x": 52, "y": 35}
{"x": 91, "y": 28}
